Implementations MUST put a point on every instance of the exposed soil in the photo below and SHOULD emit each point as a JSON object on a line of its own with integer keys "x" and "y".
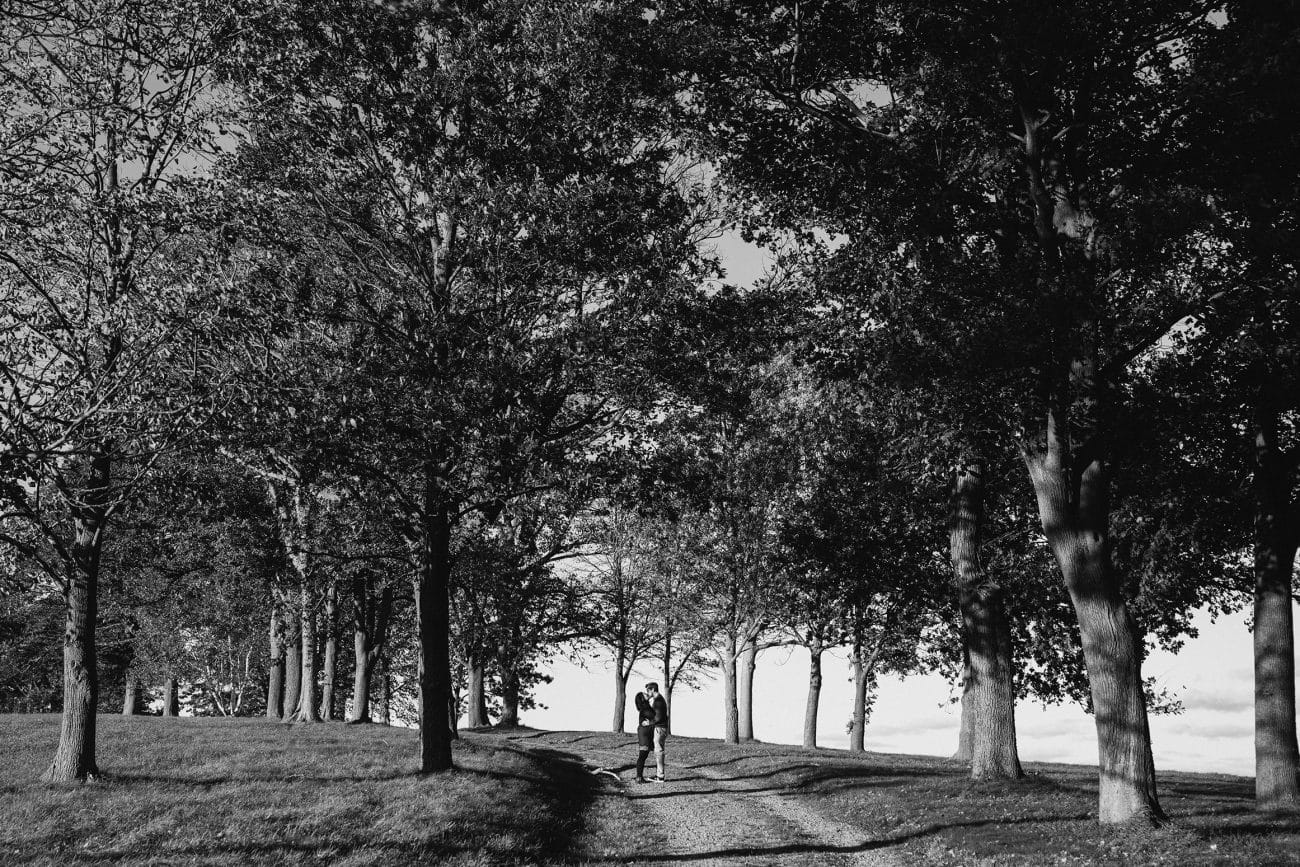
{"x": 712, "y": 811}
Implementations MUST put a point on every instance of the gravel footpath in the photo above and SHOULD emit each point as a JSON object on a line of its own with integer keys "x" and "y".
{"x": 710, "y": 816}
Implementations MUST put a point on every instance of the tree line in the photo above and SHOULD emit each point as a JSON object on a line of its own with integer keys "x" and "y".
{"x": 401, "y": 320}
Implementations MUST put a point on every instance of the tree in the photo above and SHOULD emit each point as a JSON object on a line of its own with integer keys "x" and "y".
{"x": 854, "y": 540}
{"x": 524, "y": 608}
{"x": 623, "y": 597}
{"x": 107, "y": 109}
{"x": 186, "y": 586}
{"x": 370, "y": 635}
{"x": 1241, "y": 97}
{"x": 678, "y": 596}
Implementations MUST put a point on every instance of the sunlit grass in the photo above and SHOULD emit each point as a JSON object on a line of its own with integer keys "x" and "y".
{"x": 240, "y": 791}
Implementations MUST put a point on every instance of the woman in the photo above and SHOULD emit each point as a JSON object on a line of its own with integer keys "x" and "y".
{"x": 645, "y": 733}
{"x": 645, "y": 740}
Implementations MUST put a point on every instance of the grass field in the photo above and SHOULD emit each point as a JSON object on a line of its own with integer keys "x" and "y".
{"x": 180, "y": 791}
{"x": 240, "y": 791}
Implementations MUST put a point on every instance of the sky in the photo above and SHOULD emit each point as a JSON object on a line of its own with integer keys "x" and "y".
{"x": 1212, "y": 675}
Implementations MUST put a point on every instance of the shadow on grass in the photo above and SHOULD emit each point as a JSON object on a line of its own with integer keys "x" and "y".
{"x": 757, "y": 790}
{"x": 774, "y": 852}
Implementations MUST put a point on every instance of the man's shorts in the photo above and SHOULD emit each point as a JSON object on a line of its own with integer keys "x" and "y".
{"x": 661, "y": 736}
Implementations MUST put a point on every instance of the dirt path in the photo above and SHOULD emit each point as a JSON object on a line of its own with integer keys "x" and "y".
{"x": 714, "y": 811}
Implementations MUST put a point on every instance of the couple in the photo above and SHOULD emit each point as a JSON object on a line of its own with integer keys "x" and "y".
{"x": 651, "y": 733}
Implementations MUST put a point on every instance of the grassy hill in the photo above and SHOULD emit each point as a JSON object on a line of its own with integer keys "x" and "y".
{"x": 204, "y": 791}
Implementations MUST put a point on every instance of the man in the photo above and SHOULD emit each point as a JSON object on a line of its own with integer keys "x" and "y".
{"x": 660, "y": 707}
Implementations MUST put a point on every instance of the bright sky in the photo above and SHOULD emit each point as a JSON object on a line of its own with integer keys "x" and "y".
{"x": 1212, "y": 675}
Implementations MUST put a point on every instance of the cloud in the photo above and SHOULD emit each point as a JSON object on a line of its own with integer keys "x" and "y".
{"x": 1230, "y": 697}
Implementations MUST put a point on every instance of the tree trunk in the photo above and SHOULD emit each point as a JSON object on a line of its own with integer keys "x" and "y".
{"x": 509, "y": 696}
{"x": 433, "y": 602}
{"x": 1077, "y": 532}
{"x": 292, "y": 666}
{"x": 858, "y": 732}
{"x": 370, "y": 635}
{"x": 1277, "y": 763}
{"x": 307, "y": 707}
{"x": 745, "y": 689}
{"x": 171, "y": 698}
{"x": 361, "y": 661}
{"x": 477, "y": 711}
{"x": 131, "y": 696}
{"x": 275, "y": 669}
{"x": 668, "y": 684}
{"x": 730, "y": 707}
{"x": 620, "y": 694}
{"x": 814, "y": 695}
{"x": 988, "y": 694}
{"x": 330, "y": 664}
{"x": 74, "y": 759}
{"x": 385, "y": 692}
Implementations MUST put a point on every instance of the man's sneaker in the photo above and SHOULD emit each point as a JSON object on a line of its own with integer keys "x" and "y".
{"x": 658, "y": 780}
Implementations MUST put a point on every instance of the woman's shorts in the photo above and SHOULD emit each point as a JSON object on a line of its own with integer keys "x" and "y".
{"x": 645, "y": 737}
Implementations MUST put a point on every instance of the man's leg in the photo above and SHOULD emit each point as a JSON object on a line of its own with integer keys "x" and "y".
{"x": 661, "y": 736}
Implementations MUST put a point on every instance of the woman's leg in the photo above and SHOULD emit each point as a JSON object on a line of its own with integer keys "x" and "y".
{"x": 640, "y": 762}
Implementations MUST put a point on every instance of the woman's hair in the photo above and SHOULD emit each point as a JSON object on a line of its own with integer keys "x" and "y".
{"x": 642, "y": 703}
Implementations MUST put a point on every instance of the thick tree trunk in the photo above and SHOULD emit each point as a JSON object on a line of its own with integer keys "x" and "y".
{"x": 1277, "y": 762}
{"x": 858, "y": 731}
{"x": 361, "y": 662}
{"x": 74, "y": 759}
{"x": 509, "y": 696}
{"x": 433, "y": 600}
{"x": 171, "y": 698}
{"x": 131, "y": 696}
{"x": 1077, "y": 533}
{"x": 988, "y": 694}
{"x": 477, "y": 714}
{"x": 814, "y": 695}
{"x": 621, "y": 675}
{"x": 329, "y": 665}
{"x": 292, "y": 666}
{"x": 275, "y": 669}
{"x": 730, "y": 707}
{"x": 745, "y": 689}
{"x": 307, "y": 706}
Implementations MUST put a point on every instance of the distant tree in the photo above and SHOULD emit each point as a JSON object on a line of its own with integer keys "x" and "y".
{"x": 677, "y": 597}
{"x": 526, "y": 609}
{"x": 620, "y": 576}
